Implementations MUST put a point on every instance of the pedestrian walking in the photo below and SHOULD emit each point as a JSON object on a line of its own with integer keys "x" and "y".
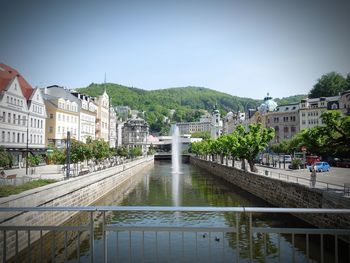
{"x": 313, "y": 176}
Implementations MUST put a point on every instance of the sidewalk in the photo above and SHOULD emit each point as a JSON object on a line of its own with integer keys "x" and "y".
{"x": 337, "y": 180}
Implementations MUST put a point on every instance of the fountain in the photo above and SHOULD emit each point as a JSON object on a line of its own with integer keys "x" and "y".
{"x": 176, "y": 165}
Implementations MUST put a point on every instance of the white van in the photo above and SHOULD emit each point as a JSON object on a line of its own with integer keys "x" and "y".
{"x": 285, "y": 158}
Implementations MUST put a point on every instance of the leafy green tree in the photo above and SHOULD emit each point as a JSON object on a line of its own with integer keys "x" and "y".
{"x": 330, "y": 84}
{"x": 232, "y": 145}
{"x": 100, "y": 149}
{"x": 58, "y": 156}
{"x": 205, "y": 135}
{"x": 134, "y": 152}
{"x": 122, "y": 151}
{"x": 79, "y": 151}
{"x": 6, "y": 159}
{"x": 34, "y": 160}
{"x": 331, "y": 139}
{"x": 253, "y": 141}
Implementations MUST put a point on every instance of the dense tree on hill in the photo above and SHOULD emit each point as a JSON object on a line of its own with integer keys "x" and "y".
{"x": 328, "y": 85}
{"x": 189, "y": 103}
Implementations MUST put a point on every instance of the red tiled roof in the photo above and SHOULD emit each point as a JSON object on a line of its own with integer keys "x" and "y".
{"x": 7, "y": 74}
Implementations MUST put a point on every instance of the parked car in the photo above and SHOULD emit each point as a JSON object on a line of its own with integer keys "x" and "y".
{"x": 321, "y": 167}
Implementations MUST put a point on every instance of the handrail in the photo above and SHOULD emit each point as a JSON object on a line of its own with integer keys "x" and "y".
{"x": 342, "y": 188}
{"x": 177, "y": 209}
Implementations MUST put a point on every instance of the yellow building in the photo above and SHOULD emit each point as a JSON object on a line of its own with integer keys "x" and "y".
{"x": 62, "y": 115}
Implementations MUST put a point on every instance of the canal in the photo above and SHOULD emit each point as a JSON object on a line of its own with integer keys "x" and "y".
{"x": 197, "y": 188}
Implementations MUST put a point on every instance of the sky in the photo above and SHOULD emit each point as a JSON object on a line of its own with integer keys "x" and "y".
{"x": 244, "y": 48}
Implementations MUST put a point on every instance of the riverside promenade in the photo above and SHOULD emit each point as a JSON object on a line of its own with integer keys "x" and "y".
{"x": 336, "y": 180}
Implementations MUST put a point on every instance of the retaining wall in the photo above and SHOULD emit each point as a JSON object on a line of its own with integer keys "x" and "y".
{"x": 80, "y": 191}
{"x": 284, "y": 194}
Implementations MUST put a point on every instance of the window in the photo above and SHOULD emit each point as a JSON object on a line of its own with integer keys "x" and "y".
{"x": 31, "y": 122}
{"x": 51, "y": 115}
{"x": 50, "y": 129}
{"x": 7, "y": 99}
{"x": 8, "y": 136}
{"x": 41, "y": 124}
{"x": 34, "y": 138}
{"x": 3, "y": 116}
{"x": 18, "y": 137}
{"x": 11, "y": 100}
{"x": 14, "y": 118}
{"x": 24, "y": 120}
{"x": 285, "y": 129}
{"x": 59, "y": 129}
{"x": 31, "y": 138}
{"x": 2, "y": 136}
{"x": 13, "y": 137}
{"x": 22, "y": 137}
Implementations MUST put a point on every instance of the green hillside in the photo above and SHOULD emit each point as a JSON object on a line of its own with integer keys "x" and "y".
{"x": 189, "y": 102}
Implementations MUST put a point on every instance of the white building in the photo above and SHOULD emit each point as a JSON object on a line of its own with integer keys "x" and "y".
{"x": 22, "y": 115}
{"x": 231, "y": 121}
{"x": 112, "y": 128}
{"x": 102, "y": 120}
{"x": 216, "y": 124}
{"x": 311, "y": 110}
{"x": 87, "y": 118}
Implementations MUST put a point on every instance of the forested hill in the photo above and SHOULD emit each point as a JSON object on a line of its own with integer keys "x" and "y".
{"x": 189, "y": 102}
{"x": 172, "y": 98}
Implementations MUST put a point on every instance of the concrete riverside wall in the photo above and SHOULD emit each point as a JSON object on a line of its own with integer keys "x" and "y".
{"x": 284, "y": 194}
{"x": 79, "y": 191}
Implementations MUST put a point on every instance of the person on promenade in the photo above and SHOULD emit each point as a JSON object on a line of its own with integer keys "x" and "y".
{"x": 313, "y": 176}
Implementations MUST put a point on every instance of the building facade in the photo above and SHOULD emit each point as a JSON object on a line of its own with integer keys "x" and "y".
{"x": 22, "y": 115}
{"x": 192, "y": 127}
{"x": 311, "y": 110}
{"x": 112, "y": 128}
{"x": 102, "y": 120}
{"x": 135, "y": 133}
{"x": 63, "y": 111}
{"x": 87, "y": 118}
{"x": 344, "y": 102}
{"x": 231, "y": 121}
{"x": 285, "y": 120}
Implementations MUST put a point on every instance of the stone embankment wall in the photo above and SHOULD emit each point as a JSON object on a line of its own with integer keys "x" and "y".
{"x": 284, "y": 194}
{"x": 80, "y": 191}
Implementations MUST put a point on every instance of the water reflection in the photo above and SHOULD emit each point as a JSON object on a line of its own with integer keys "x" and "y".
{"x": 198, "y": 188}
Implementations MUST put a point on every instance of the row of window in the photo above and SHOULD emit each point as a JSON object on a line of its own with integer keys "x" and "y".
{"x": 68, "y": 106}
{"x": 14, "y": 101}
{"x": 64, "y": 130}
{"x": 285, "y": 119}
{"x": 18, "y": 137}
{"x": 37, "y": 109}
{"x": 21, "y": 120}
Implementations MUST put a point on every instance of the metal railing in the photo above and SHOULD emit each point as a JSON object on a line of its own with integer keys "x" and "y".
{"x": 244, "y": 238}
{"x": 343, "y": 189}
{"x": 326, "y": 186}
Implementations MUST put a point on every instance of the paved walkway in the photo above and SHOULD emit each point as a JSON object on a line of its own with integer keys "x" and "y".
{"x": 336, "y": 180}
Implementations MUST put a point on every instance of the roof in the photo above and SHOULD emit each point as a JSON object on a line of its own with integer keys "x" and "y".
{"x": 7, "y": 74}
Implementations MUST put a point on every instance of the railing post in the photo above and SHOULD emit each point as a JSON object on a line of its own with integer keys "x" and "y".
{"x": 104, "y": 236}
{"x": 237, "y": 236}
{"x": 251, "y": 237}
{"x": 91, "y": 237}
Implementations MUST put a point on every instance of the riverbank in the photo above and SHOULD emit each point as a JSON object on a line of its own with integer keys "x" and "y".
{"x": 283, "y": 194}
{"x": 80, "y": 191}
